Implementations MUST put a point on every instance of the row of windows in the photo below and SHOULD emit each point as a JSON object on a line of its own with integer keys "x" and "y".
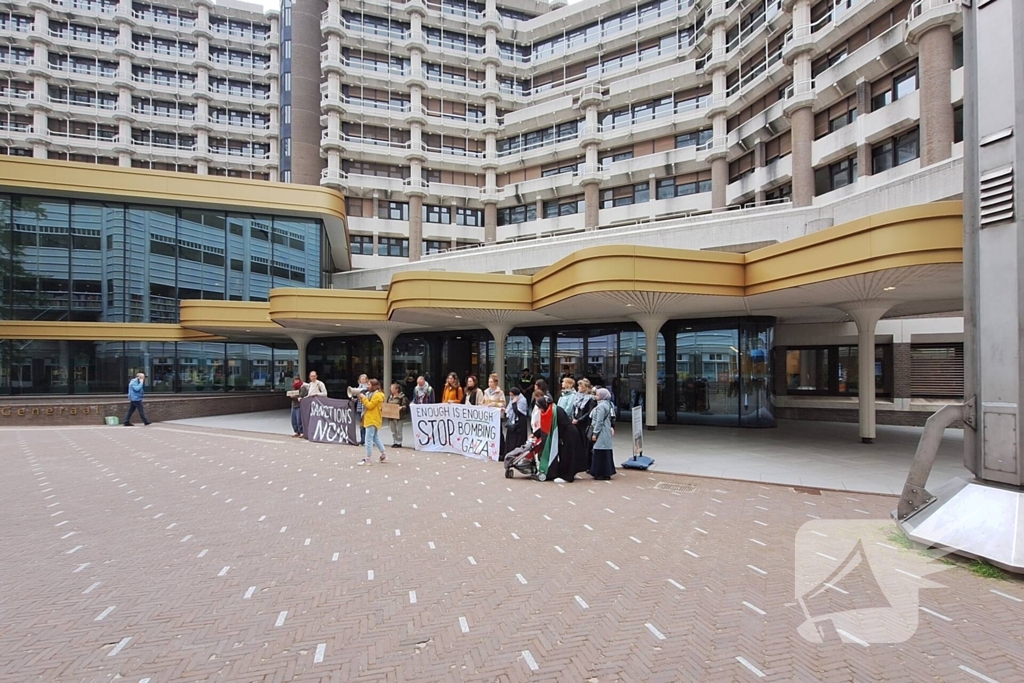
{"x": 394, "y": 246}
{"x": 399, "y": 211}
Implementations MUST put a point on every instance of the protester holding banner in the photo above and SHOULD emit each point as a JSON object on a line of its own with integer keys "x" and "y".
{"x": 423, "y": 393}
{"x": 397, "y": 398}
{"x": 494, "y": 397}
{"x": 371, "y": 400}
{"x": 603, "y": 465}
{"x": 452, "y": 390}
{"x": 364, "y": 384}
{"x": 474, "y": 395}
{"x": 315, "y": 387}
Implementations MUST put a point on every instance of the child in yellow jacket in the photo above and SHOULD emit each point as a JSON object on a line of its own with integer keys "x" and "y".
{"x": 372, "y": 401}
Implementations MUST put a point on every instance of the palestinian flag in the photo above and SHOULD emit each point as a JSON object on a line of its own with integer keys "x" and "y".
{"x": 549, "y": 453}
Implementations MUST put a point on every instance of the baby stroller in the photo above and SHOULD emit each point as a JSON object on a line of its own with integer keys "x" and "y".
{"x": 524, "y": 459}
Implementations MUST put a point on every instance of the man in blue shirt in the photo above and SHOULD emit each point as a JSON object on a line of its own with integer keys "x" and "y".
{"x": 136, "y": 389}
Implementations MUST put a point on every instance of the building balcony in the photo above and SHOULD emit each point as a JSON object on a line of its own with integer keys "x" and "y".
{"x": 233, "y": 67}
{"x": 333, "y": 24}
{"x": 332, "y": 63}
{"x": 160, "y": 151}
{"x": 83, "y": 8}
{"x": 799, "y": 94}
{"x": 10, "y": 97}
{"x": 869, "y": 63}
{"x": 87, "y": 41}
{"x": 73, "y": 142}
{"x": 927, "y": 14}
{"x": 241, "y": 158}
{"x": 239, "y": 128}
{"x": 777, "y": 172}
{"x": 178, "y": 121}
{"x": 330, "y": 177}
{"x": 94, "y": 110}
{"x": 20, "y": 134}
{"x": 78, "y": 74}
{"x": 589, "y": 174}
{"x": 165, "y": 87}
{"x": 237, "y": 97}
{"x": 164, "y": 23}
{"x": 16, "y": 64}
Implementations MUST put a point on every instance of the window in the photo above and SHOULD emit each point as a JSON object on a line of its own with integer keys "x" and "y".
{"x": 437, "y": 214}
{"x": 696, "y": 138}
{"x": 517, "y": 214}
{"x": 287, "y": 17}
{"x": 895, "y": 151}
{"x": 887, "y": 91}
{"x": 393, "y": 211}
{"x": 287, "y": 49}
{"x": 393, "y": 246}
{"x": 287, "y": 81}
{"x": 563, "y": 207}
{"x": 834, "y": 370}
{"x": 958, "y": 124}
{"x": 666, "y": 188}
{"x": 435, "y": 246}
{"x": 287, "y": 113}
{"x": 361, "y": 244}
{"x": 469, "y": 217}
{"x": 958, "y": 50}
{"x": 834, "y": 176}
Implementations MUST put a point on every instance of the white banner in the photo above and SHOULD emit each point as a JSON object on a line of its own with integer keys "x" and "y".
{"x": 638, "y": 431}
{"x": 473, "y": 431}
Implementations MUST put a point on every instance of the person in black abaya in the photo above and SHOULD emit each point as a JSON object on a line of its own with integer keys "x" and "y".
{"x": 582, "y": 407}
{"x": 571, "y": 458}
{"x": 518, "y": 418}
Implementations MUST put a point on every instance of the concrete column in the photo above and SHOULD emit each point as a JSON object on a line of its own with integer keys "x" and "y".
{"x": 651, "y": 325}
{"x": 863, "y": 160}
{"x": 415, "y": 227}
{"x": 301, "y": 340}
{"x": 802, "y": 123}
{"x": 592, "y": 204}
{"x": 490, "y": 222}
{"x": 539, "y": 207}
{"x": 387, "y": 338}
{"x": 305, "y": 92}
{"x": 866, "y": 316}
{"x": 934, "y": 64}
{"x": 719, "y": 181}
{"x": 500, "y": 333}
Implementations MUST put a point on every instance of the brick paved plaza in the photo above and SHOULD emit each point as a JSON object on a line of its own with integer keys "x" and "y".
{"x": 182, "y": 554}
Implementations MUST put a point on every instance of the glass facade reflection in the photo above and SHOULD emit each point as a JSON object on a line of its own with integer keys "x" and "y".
{"x": 70, "y": 260}
{"x": 709, "y": 372}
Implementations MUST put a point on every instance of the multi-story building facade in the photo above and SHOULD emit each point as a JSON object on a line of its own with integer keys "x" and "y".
{"x": 458, "y": 123}
{"x": 176, "y": 85}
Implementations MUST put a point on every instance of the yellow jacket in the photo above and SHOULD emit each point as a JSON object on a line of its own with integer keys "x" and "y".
{"x": 372, "y": 416}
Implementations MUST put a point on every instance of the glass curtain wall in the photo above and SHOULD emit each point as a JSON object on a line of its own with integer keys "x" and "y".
{"x": 111, "y": 262}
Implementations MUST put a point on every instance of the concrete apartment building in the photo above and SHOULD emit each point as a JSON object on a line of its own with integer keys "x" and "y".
{"x": 176, "y": 85}
{"x": 759, "y": 191}
{"x": 459, "y": 123}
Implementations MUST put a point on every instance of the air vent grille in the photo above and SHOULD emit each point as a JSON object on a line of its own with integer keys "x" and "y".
{"x": 997, "y": 197}
{"x": 679, "y": 488}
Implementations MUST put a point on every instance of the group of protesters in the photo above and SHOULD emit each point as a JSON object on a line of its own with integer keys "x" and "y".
{"x": 581, "y": 418}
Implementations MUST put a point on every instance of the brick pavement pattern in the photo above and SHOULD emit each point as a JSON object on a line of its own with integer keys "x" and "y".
{"x": 177, "y": 554}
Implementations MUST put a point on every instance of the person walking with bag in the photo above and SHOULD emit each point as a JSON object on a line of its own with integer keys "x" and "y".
{"x": 372, "y": 399}
{"x": 601, "y": 431}
{"x": 398, "y": 398}
{"x": 136, "y": 391}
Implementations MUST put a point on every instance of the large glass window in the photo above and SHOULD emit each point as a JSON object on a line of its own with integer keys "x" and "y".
{"x": 834, "y": 370}
{"x": 88, "y": 261}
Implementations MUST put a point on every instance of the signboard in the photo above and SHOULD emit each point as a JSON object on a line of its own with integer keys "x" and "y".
{"x": 638, "y": 431}
{"x": 390, "y": 411}
{"x": 329, "y": 420}
{"x": 473, "y": 431}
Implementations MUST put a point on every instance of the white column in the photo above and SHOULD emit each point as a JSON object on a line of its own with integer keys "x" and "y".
{"x": 651, "y": 325}
{"x": 866, "y": 317}
{"x": 387, "y": 338}
{"x": 301, "y": 339}
{"x": 500, "y": 332}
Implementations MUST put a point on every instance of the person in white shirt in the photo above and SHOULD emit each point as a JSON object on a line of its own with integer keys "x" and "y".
{"x": 316, "y": 387}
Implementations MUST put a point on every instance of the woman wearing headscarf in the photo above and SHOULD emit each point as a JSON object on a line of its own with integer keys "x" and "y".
{"x": 517, "y": 413}
{"x": 544, "y": 428}
{"x": 602, "y": 465}
{"x": 581, "y": 410}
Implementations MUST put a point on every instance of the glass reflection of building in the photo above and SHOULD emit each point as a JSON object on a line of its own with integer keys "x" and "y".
{"x": 112, "y": 262}
{"x": 710, "y": 372}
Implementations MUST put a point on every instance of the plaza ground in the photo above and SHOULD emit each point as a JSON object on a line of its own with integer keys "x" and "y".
{"x": 826, "y": 455}
{"x": 169, "y": 553}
